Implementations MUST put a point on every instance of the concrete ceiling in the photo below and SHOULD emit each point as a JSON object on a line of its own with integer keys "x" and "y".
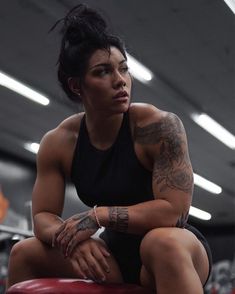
{"x": 188, "y": 45}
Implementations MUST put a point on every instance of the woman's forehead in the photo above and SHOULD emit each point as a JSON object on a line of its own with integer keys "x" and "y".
{"x": 103, "y": 56}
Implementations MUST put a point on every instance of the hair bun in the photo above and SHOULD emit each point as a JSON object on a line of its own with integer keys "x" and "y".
{"x": 83, "y": 23}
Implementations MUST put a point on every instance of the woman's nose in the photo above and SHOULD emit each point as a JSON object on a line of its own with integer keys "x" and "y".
{"x": 119, "y": 80}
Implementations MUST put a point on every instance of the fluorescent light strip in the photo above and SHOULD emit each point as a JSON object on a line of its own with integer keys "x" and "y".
{"x": 215, "y": 129}
{"x": 138, "y": 70}
{"x": 18, "y": 87}
{"x": 32, "y": 147}
{"x": 196, "y": 212}
{"x": 231, "y": 4}
{"x": 206, "y": 185}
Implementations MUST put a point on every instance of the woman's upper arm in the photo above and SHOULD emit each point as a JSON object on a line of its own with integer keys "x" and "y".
{"x": 172, "y": 170}
{"x": 48, "y": 191}
{"x": 166, "y": 144}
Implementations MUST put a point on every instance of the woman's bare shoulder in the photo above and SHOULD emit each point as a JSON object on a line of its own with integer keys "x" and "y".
{"x": 143, "y": 114}
{"x": 72, "y": 123}
{"x": 62, "y": 137}
{"x": 68, "y": 127}
{"x": 148, "y": 119}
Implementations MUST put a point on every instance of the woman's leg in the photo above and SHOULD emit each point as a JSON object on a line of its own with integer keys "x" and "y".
{"x": 174, "y": 261}
{"x": 32, "y": 258}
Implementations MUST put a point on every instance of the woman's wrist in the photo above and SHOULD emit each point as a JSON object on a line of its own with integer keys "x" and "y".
{"x": 115, "y": 218}
{"x": 96, "y": 216}
{"x": 102, "y": 215}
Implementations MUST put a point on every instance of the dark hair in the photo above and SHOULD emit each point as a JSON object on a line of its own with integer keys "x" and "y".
{"x": 84, "y": 31}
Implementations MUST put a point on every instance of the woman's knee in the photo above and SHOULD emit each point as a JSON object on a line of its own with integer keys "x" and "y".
{"x": 162, "y": 244}
{"x": 25, "y": 251}
{"x": 19, "y": 250}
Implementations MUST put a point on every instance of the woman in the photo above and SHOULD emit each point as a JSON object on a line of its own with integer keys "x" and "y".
{"x": 130, "y": 160}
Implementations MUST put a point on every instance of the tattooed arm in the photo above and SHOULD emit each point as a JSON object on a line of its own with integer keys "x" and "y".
{"x": 164, "y": 142}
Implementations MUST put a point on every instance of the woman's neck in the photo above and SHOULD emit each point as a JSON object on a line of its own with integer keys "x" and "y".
{"x": 103, "y": 130}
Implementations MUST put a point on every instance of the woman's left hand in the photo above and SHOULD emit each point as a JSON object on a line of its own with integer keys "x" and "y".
{"x": 77, "y": 228}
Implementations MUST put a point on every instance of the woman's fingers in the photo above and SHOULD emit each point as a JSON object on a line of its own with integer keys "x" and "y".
{"x": 78, "y": 237}
{"x": 81, "y": 274}
{"x": 100, "y": 254}
{"x": 64, "y": 243}
{"x": 96, "y": 268}
{"x": 63, "y": 237}
{"x": 92, "y": 259}
{"x": 67, "y": 238}
{"x": 57, "y": 233}
{"x": 86, "y": 269}
{"x": 70, "y": 246}
{"x": 104, "y": 251}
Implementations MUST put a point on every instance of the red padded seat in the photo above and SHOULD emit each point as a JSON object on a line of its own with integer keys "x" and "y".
{"x": 67, "y": 286}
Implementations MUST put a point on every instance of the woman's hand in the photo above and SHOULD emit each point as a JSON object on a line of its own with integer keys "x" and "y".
{"x": 74, "y": 230}
{"x": 89, "y": 260}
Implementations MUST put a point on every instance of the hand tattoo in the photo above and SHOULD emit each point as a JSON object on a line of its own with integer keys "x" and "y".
{"x": 86, "y": 222}
{"x": 118, "y": 218}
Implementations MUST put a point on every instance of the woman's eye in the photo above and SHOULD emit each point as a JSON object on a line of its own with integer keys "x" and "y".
{"x": 101, "y": 72}
{"x": 124, "y": 69}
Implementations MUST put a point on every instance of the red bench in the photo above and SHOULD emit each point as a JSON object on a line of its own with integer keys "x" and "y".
{"x": 69, "y": 286}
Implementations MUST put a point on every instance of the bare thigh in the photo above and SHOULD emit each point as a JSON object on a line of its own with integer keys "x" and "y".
{"x": 44, "y": 261}
{"x": 185, "y": 240}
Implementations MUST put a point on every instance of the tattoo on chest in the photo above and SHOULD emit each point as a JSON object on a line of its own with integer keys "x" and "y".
{"x": 118, "y": 218}
{"x": 172, "y": 167}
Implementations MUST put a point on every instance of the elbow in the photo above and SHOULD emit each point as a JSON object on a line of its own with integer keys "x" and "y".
{"x": 182, "y": 218}
{"x": 179, "y": 215}
{"x": 40, "y": 222}
{"x": 36, "y": 220}
{"x": 181, "y": 221}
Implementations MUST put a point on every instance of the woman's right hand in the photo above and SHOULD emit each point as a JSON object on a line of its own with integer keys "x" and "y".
{"x": 89, "y": 260}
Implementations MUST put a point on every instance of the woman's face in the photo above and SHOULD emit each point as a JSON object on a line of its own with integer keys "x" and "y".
{"x": 107, "y": 83}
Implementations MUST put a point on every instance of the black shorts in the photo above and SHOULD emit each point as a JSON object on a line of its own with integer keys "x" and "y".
{"x": 126, "y": 250}
{"x": 204, "y": 242}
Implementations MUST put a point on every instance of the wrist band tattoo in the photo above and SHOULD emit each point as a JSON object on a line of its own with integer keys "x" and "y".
{"x": 96, "y": 217}
{"x": 118, "y": 218}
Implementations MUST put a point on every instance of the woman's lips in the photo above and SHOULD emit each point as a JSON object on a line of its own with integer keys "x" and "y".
{"x": 121, "y": 94}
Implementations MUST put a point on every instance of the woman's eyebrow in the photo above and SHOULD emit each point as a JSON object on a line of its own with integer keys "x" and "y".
{"x": 123, "y": 61}
{"x": 107, "y": 64}
{"x": 100, "y": 64}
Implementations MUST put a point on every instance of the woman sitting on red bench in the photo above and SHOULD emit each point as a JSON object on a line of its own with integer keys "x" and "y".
{"x": 129, "y": 162}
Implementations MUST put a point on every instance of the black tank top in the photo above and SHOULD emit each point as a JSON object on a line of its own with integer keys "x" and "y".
{"x": 116, "y": 177}
{"x": 113, "y": 176}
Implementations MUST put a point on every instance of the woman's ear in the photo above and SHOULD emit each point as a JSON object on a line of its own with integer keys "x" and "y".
{"x": 73, "y": 84}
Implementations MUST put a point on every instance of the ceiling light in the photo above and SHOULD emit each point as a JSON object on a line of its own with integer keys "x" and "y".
{"x": 13, "y": 171}
{"x": 138, "y": 70}
{"x": 231, "y": 4}
{"x": 196, "y": 212}
{"x": 206, "y": 185}
{"x": 215, "y": 129}
{"x": 18, "y": 87}
{"x": 32, "y": 147}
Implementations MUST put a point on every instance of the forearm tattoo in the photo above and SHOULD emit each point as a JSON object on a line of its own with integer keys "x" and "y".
{"x": 172, "y": 167}
{"x": 181, "y": 222}
{"x": 118, "y": 218}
